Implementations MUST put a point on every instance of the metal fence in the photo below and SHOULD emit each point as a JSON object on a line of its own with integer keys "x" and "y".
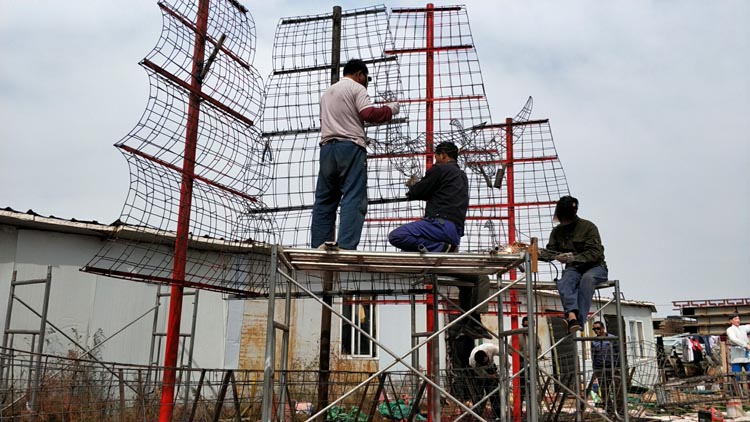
{"x": 55, "y": 388}
{"x": 49, "y": 388}
{"x": 68, "y": 388}
{"x": 702, "y": 390}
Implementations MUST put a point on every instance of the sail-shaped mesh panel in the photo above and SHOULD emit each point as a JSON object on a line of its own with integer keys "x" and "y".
{"x": 232, "y": 161}
{"x": 395, "y": 47}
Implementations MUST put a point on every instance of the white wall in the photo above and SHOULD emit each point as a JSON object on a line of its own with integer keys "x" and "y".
{"x": 395, "y": 326}
{"x": 83, "y": 304}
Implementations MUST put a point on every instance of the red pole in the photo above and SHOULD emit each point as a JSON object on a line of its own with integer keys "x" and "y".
{"x": 512, "y": 239}
{"x": 183, "y": 220}
{"x": 430, "y": 85}
{"x": 433, "y": 399}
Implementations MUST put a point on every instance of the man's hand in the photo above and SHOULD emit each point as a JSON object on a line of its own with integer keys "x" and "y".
{"x": 565, "y": 258}
{"x": 546, "y": 256}
{"x": 395, "y": 107}
{"x": 412, "y": 181}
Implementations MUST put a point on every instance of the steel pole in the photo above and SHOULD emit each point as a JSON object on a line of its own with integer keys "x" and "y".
{"x": 284, "y": 364}
{"x": 270, "y": 364}
{"x": 8, "y": 314}
{"x": 514, "y": 312}
{"x": 183, "y": 219}
{"x": 414, "y": 341}
{"x": 434, "y": 361}
{"x": 433, "y": 398}
{"x": 189, "y": 372}
{"x": 503, "y": 359}
{"x": 324, "y": 352}
{"x": 429, "y": 84}
{"x": 623, "y": 360}
{"x": 40, "y": 345}
{"x": 532, "y": 407}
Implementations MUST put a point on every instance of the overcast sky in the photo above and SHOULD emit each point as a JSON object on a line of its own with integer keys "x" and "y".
{"x": 649, "y": 104}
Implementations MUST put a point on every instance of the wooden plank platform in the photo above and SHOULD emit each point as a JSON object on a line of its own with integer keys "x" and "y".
{"x": 402, "y": 262}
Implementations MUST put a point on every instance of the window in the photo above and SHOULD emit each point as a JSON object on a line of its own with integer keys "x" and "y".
{"x": 637, "y": 344}
{"x": 363, "y": 313}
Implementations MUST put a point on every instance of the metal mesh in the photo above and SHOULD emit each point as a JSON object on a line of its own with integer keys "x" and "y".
{"x": 232, "y": 162}
{"x": 78, "y": 390}
{"x": 81, "y": 389}
{"x": 259, "y": 145}
{"x": 302, "y": 69}
{"x": 394, "y": 46}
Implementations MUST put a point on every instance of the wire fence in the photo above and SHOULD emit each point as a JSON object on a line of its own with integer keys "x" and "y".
{"x": 57, "y": 388}
{"x": 68, "y": 388}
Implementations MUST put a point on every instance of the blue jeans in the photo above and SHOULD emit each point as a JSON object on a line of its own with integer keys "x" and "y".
{"x": 577, "y": 290}
{"x": 342, "y": 179}
{"x": 737, "y": 369}
{"x": 433, "y": 233}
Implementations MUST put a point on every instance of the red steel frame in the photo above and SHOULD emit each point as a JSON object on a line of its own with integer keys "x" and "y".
{"x": 183, "y": 221}
{"x": 509, "y": 177}
{"x": 511, "y": 206}
{"x": 188, "y": 177}
{"x": 433, "y": 401}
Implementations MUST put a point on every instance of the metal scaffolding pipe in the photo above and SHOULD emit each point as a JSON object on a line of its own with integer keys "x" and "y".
{"x": 398, "y": 359}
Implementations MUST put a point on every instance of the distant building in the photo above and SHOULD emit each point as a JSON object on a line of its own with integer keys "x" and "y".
{"x": 710, "y": 317}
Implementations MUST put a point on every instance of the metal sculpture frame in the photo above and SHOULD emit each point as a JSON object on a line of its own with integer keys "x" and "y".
{"x": 198, "y": 142}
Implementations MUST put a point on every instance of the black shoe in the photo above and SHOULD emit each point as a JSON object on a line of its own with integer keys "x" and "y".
{"x": 422, "y": 249}
{"x": 573, "y": 326}
{"x": 447, "y": 247}
{"x": 329, "y": 246}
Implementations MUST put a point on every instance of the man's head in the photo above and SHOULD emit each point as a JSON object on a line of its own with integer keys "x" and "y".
{"x": 356, "y": 70}
{"x": 566, "y": 209}
{"x": 446, "y": 152}
{"x": 599, "y": 328}
{"x": 734, "y": 319}
{"x": 481, "y": 357}
{"x": 525, "y": 321}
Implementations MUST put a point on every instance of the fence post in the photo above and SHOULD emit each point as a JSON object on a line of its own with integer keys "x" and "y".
{"x": 122, "y": 395}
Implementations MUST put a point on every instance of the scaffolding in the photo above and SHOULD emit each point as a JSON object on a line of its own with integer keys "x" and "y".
{"x": 223, "y": 170}
{"x": 293, "y": 269}
{"x": 427, "y": 267}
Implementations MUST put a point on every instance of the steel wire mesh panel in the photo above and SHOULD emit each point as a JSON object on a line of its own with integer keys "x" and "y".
{"x": 259, "y": 146}
{"x": 232, "y": 162}
{"x": 395, "y": 47}
{"x": 302, "y": 72}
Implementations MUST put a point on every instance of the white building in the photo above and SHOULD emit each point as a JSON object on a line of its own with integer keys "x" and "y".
{"x": 91, "y": 308}
{"x": 228, "y": 333}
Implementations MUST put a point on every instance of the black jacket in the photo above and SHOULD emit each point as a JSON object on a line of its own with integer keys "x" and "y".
{"x": 445, "y": 187}
{"x": 581, "y": 237}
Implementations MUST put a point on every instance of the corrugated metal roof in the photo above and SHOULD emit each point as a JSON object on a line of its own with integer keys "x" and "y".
{"x": 33, "y": 220}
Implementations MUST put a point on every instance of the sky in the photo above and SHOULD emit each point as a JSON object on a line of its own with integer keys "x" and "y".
{"x": 649, "y": 103}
